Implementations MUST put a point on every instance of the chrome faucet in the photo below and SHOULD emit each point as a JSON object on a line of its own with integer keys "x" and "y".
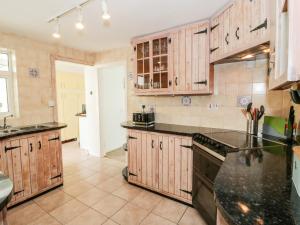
{"x": 5, "y": 126}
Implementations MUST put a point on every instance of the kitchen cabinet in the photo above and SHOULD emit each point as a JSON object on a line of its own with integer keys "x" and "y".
{"x": 161, "y": 162}
{"x": 152, "y": 74}
{"x": 285, "y": 68}
{"x": 240, "y": 26}
{"x": 178, "y": 59}
{"x": 33, "y": 163}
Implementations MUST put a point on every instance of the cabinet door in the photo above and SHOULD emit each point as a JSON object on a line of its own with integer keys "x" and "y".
{"x": 164, "y": 163}
{"x": 226, "y": 46}
{"x": 214, "y": 39}
{"x": 257, "y": 21}
{"x": 179, "y": 60}
{"x": 133, "y": 139}
{"x": 236, "y": 24}
{"x": 17, "y": 162}
{"x": 200, "y": 77}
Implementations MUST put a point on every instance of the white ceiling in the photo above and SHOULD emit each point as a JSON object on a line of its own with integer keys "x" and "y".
{"x": 129, "y": 18}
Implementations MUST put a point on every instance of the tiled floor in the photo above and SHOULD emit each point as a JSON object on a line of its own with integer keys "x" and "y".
{"x": 95, "y": 193}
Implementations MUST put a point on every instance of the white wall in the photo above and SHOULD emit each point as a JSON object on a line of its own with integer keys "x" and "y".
{"x": 112, "y": 102}
{"x": 92, "y": 134}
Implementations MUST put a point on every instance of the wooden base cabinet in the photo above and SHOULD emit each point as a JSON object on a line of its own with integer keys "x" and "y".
{"x": 33, "y": 163}
{"x": 162, "y": 163}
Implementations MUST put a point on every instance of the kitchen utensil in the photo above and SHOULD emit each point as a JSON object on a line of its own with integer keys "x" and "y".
{"x": 290, "y": 128}
{"x": 249, "y": 109}
{"x": 261, "y": 112}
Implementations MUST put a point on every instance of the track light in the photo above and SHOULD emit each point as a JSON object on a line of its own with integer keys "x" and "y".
{"x": 105, "y": 15}
{"x": 79, "y": 25}
{"x": 56, "y": 33}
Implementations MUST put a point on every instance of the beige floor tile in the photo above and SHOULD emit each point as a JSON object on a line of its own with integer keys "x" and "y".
{"x": 153, "y": 219}
{"x": 110, "y": 222}
{"x": 78, "y": 188}
{"x": 52, "y": 200}
{"x": 109, "y": 205}
{"x": 97, "y": 178}
{"x": 68, "y": 211}
{"x": 110, "y": 185}
{"x": 45, "y": 220}
{"x": 25, "y": 214}
{"x": 191, "y": 217}
{"x": 92, "y": 196}
{"x": 127, "y": 192}
{"x": 170, "y": 210}
{"x": 89, "y": 217}
{"x": 146, "y": 200}
{"x": 130, "y": 215}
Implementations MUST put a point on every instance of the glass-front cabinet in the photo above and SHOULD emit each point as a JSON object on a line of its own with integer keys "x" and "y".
{"x": 152, "y": 66}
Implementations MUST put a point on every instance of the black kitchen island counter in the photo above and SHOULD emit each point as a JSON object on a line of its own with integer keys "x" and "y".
{"x": 255, "y": 187}
{"x": 31, "y": 129}
{"x": 172, "y": 129}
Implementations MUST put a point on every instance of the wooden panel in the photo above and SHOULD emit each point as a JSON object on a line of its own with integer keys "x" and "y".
{"x": 132, "y": 163}
{"x": 16, "y": 166}
{"x": 165, "y": 163}
{"x": 53, "y": 157}
{"x": 155, "y": 162}
{"x": 139, "y": 157}
{"x": 237, "y": 24}
{"x": 33, "y": 160}
{"x": 190, "y": 169}
{"x": 184, "y": 169}
{"x": 214, "y": 39}
{"x": 149, "y": 160}
{"x": 171, "y": 165}
{"x": 188, "y": 58}
{"x": 47, "y": 159}
{"x": 180, "y": 82}
{"x": 25, "y": 167}
{"x": 226, "y": 31}
{"x": 144, "y": 158}
{"x": 177, "y": 182}
{"x": 40, "y": 163}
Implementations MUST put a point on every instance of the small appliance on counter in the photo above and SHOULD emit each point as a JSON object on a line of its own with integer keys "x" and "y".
{"x": 144, "y": 119}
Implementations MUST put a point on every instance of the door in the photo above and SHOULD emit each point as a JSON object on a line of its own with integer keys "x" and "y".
{"x": 16, "y": 154}
{"x": 236, "y": 24}
{"x": 133, "y": 139}
{"x": 226, "y": 31}
{"x": 215, "y": 39}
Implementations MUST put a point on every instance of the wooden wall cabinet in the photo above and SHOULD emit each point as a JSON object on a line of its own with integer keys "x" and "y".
{"x": 175, "y": 62}
{"x": 284, "y": 63}
{"x": 33, "y": 163}
{"x": 240, "y": 26}
{"x": 161, "y": 162}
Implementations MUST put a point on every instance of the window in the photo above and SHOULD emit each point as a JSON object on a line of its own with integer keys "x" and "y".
{"x": 7, "y": 74}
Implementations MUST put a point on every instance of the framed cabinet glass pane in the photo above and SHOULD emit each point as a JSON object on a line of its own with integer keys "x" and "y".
{"x": 140, "y": 66}
{"x": 147, "y": 81}
{"x": 156, "y": 80}
{"x": 146, "y": 50}
{"x": 146, "y": 66}
{"x": 164, "y": 80}
{"x": 164, "y": 63}
{"x": 164, "y": 46}
{"x": 140, "y": 51}
{"x": 156, "y": 64}
{"x": 156, "y": 47}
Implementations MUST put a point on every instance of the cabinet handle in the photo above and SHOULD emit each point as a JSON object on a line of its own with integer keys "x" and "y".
{"x": 263, "y": 25}
{"x": 213, "y": 49}
{"x": 6, "y": 149}
{"x": 237, "y": 33}
{"x": 170, "y": 83}
{"x": 214, "y": 27}
{"x": 135, "y": 85}
{"x": 151, "y": 83}
{"x": 134, "y": 49}
{"x": 176, "y": 81}
{"x": 170, "y": 40}
{"x": 30, "y": 147}
{"x": 59, "y": 175}
{"x": 54, "y": 139}
{"x": 152, "y": 143}
{"x": 202, "y": 32}
{"x": 161, "y": 146}
{"x": 226, "y": 38}
{"x": 40, "y": 145}
{"x": 201, "y": 82}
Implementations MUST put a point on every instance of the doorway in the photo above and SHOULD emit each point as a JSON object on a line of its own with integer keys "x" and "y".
{"x": 112, "y": 106}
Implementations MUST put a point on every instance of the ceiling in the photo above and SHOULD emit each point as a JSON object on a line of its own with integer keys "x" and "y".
{"x": 129, "y": 18}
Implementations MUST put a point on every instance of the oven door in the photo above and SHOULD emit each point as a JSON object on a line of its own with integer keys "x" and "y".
{"x": 205, "y": 170}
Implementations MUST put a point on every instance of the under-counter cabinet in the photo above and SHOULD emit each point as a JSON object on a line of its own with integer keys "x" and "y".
{"x": 175, "y": 62}
{"x": 161, "y": 162}
{"x": 33, "y": 163}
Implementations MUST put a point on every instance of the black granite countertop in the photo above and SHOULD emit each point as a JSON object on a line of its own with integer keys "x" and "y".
{"x": 172, "y": 129}
{"x": 255, "y": 187}
{"x": 6, "y": 187}
{"x": 30, "y": 129}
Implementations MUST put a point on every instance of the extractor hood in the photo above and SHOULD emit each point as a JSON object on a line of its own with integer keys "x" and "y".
{"x": 258, "y": 52}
